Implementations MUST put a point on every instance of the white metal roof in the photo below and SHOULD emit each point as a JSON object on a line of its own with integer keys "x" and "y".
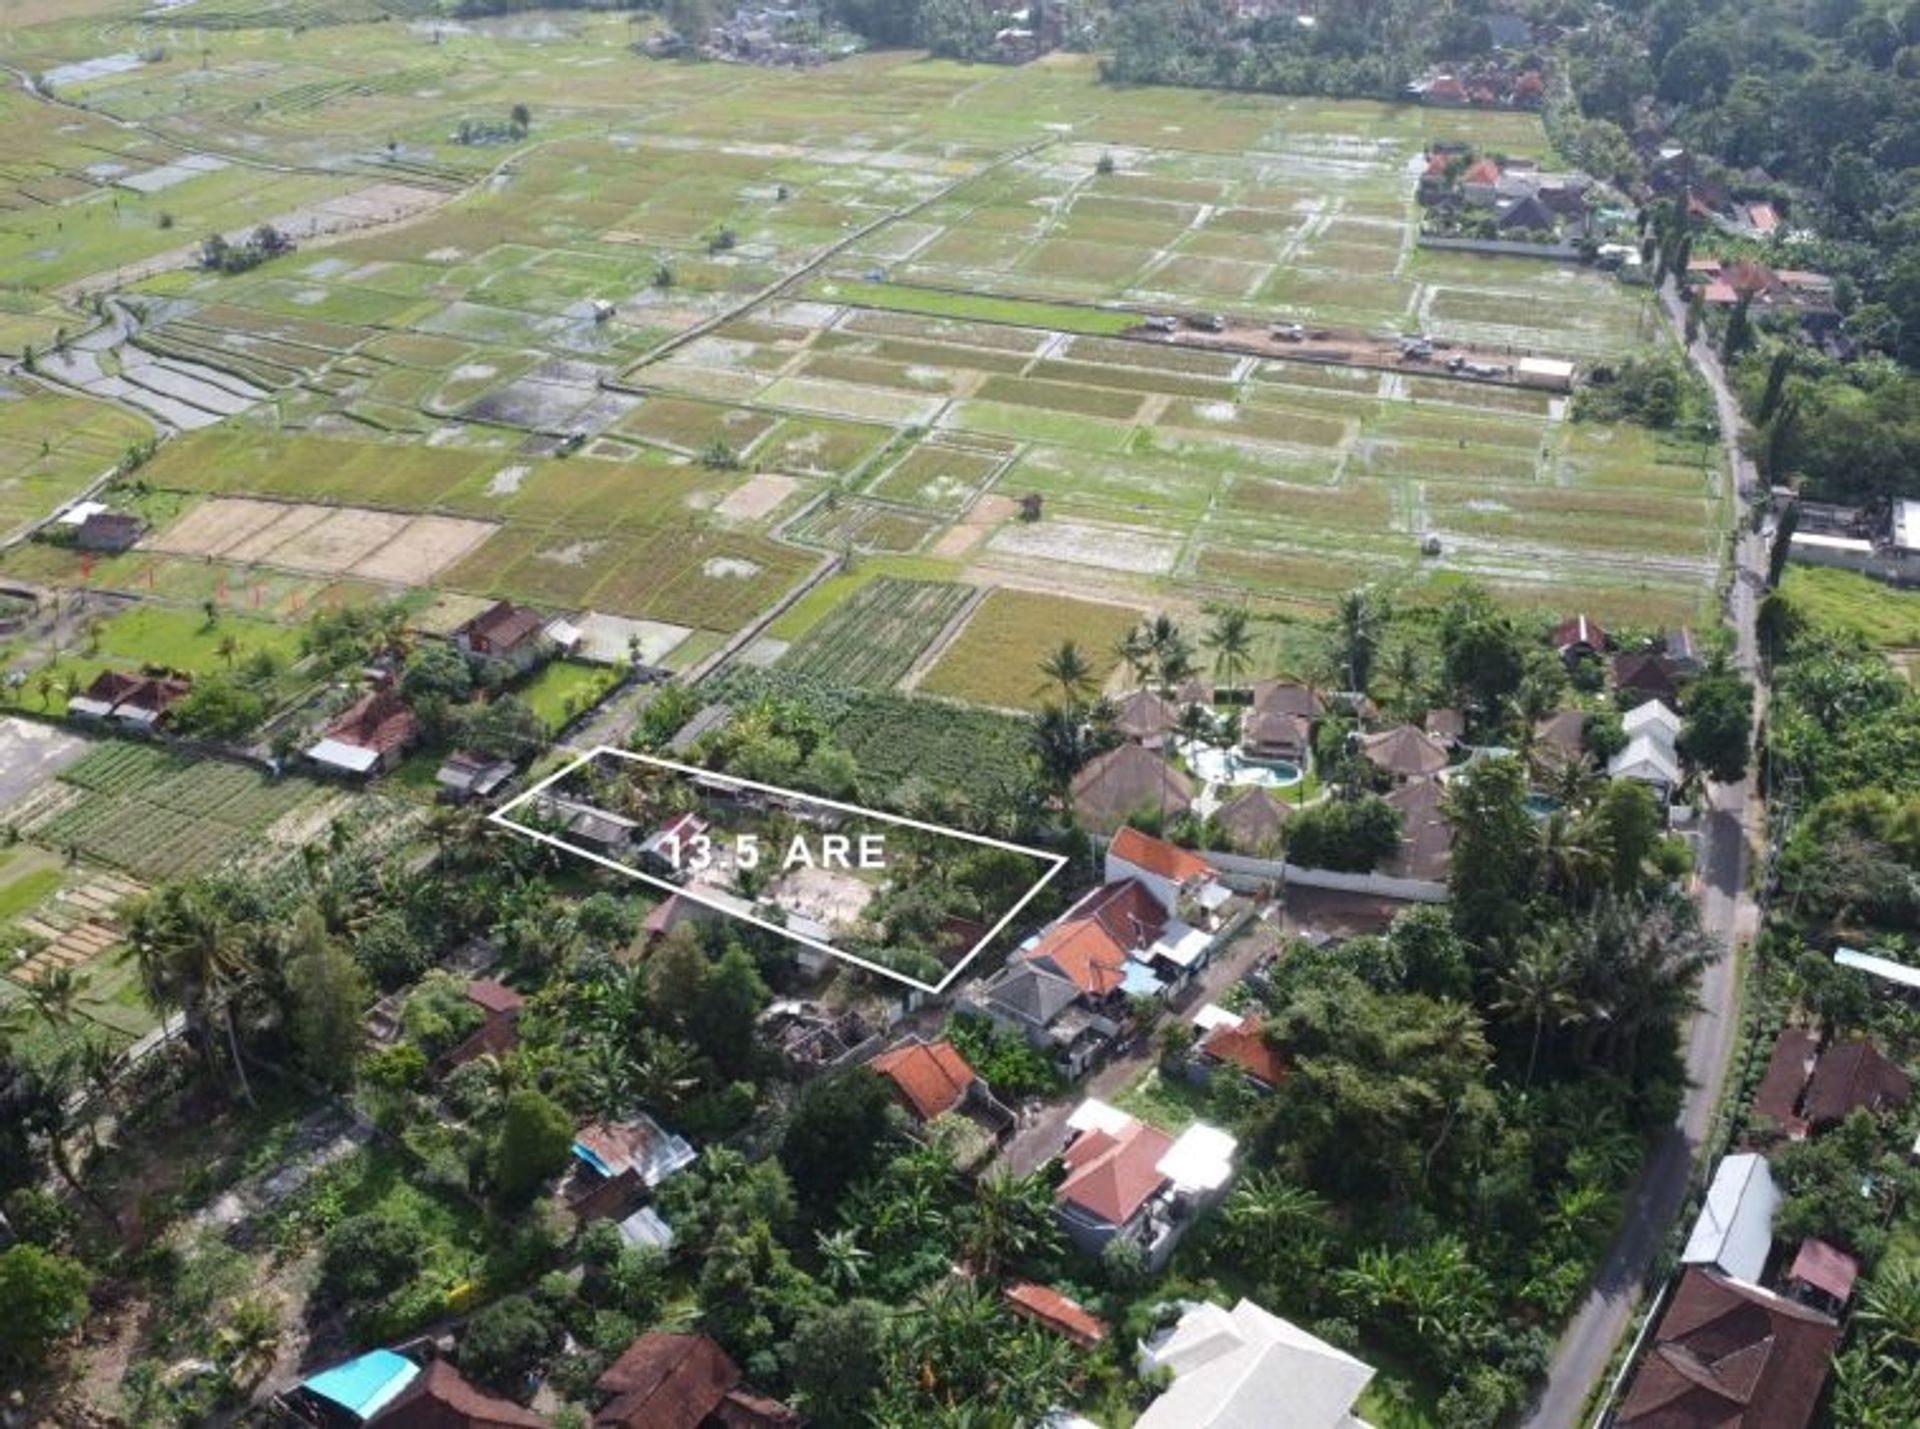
{"x": 77, "y": 514}
{"x": 339, "y": 755}
{"x": 1095, "y": 1115}
{"x": 1181, "y": 945}
{"x": 1546, "y": 366}
{"x": 1653, "y": 715}
{"x": 1906, "y": 525}
{"x": 1830, "y": 543}
{"x": 1213, "y": 1015}
{"x": 1735, "y": 1230}
{"x": 1864, "y": 962}
{"x": 1246, "y": 1368}
{"x": 1200, "y": 1159}
{"x": 1644, "y": 758}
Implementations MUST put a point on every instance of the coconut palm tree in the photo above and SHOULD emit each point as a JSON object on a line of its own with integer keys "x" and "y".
{"x": 1537, "y": 990}
{"x": 1356, "y": 638}
{"x": 1136, "y": 653}
{"x": 1575, "y": 856}
{"x": 191, "y": 956}
{"x": 1059, "y": 743}
{"x": 55, "y": 995}
{"x": 1230, "y": 638}
{"x": 1068, "y": 668}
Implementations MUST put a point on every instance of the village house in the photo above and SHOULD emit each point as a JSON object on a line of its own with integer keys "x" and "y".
{"x": 1562, "y": 736}
{"x": 108, "y": 532}
{"x": 1647, "y": 675}
{"x": 383, "y": 1389}
{"x": 1245, "y": 1366}
{"x": 1776, "y": 1104}
{"x": 1651, "y": 755}
{"x": 931, "y": 1080}
{"x": 464, "y": 777}
{"x": 1126, "y": 781}
{"x": 497, "y": 1035}
{"x": 1229, "y": 1039}
{"x": 671, "y": 1381}
{"x": 1727, "y": 1355}
{"x": 504, "y": 635}
{"x": 1127, "y": 1180}
{"x": 136, "y": 703}
{"x": 1853, "y": 1076}
{"x": 368, "y": 737}
{"x": 616, "y": 1166}
{"x": 1280, "y": 723}
{"x": 1580, "y": 639}
{"x": 1822, "y": 1277}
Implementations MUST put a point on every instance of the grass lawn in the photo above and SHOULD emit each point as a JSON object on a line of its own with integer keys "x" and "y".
{"x": 183, "y": 639}
{"x": 27, "y": 875}
{"x": 563, "y": 689}
{"x": 1172, "y": 1105}
{"x": 1849, "y": 601}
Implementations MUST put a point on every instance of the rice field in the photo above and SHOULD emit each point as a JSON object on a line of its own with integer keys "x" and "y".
{"x": 996, "y": 658}
{"x": 675, "y": 364}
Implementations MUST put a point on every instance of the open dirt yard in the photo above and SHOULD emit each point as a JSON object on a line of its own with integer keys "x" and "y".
{"x": 325, "y": 540}
{"x": 760, "y": 497}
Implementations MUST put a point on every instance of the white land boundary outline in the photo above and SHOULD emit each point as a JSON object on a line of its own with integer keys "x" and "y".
{"x": 1054, "y": 861}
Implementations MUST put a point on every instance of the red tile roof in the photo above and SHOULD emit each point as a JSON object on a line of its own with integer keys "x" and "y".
{"x": 1482, "y": 171}
{"x": 1158, "y": 856}
{"x": 1826, "y": 1269}
{"x": 1730, "y": 1356}
{"x": 1244, "y": 1044}
{"x": 440, "y": 1398}
{"x": 1580, "y": 631}
{"x": 1054, "y": 1310}
{"x": 501, "y": 627}
{"x": 494, "y": 997}
{"x": 931, "y": 1076}
{"x": 378, "y": 721}
{"x": 1089, "y": 944}
{"x": 1778, "y": 1098}
{"x": 1111, "y": 1176}
{"x": 111, "y": 686}
{"x": 1853, "y": 1075}
{"x": 666, "y": 1382}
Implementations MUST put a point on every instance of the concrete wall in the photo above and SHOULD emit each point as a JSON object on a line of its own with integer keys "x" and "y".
{"x": 1237, "y": 869}
{"x": 1882, "y": 562}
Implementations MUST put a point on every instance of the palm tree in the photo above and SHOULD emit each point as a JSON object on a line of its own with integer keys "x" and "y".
{"x": 1196, "y": 724}
{"x": 663, "y": 1071}
{"x": 1230, "y": 638}
{"x": 1059, "y": 743}
{"x": 1268, "y": 1217}
{"x": 1890, "y": 1309}
{"x": 55, "y": 993}
{"x": 1536, "y": 990}
{"x": 191, "y": 956}
{"x": 1174, "y": 665}
{"x": 1356, "y": 637}
{"x": 843, "y": 1261}
{"x": 1068, "y": 668}
{"x": 44, "y": 1103}
{"x": 1574, "y": 856}
{"x": 226, "y": 647}
{"x": 1136, "y": 653}
{"x": 1012, "y": 1217}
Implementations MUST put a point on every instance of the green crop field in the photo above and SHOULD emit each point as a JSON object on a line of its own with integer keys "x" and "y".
{"x": 160, "y": 815}
{"x": 874, "y": 638}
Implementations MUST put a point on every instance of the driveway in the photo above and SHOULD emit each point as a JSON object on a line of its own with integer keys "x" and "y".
{"x": 1729, "y": 915}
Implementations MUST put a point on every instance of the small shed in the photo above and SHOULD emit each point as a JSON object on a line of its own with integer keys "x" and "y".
{"x": 1550, "y": 374}
{"x": 1734, "y": 1232}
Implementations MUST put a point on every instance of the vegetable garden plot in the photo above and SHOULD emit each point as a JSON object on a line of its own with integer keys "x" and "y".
{"x": 941, "y": 477}
{"x": 875, "y": 637}
{"x": 160, "y": 815}
{"x": 865, "y": 525}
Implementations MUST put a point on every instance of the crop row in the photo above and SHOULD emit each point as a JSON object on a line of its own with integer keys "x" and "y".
{"x": 874, "y": 638}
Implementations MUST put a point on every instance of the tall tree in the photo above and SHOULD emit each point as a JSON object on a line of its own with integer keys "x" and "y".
{"x": 1230, "y": 638}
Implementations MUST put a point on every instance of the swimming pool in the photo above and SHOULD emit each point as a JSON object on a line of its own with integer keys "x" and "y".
{"x": 1229, "y": 766}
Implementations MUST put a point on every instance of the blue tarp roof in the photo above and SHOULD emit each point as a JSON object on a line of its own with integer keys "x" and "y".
{"x": 1139, "y": 981}
{"x": 364, "y": 1386}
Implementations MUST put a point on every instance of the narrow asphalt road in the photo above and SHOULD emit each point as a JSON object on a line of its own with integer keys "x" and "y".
{"x": 1728, "y": 913}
